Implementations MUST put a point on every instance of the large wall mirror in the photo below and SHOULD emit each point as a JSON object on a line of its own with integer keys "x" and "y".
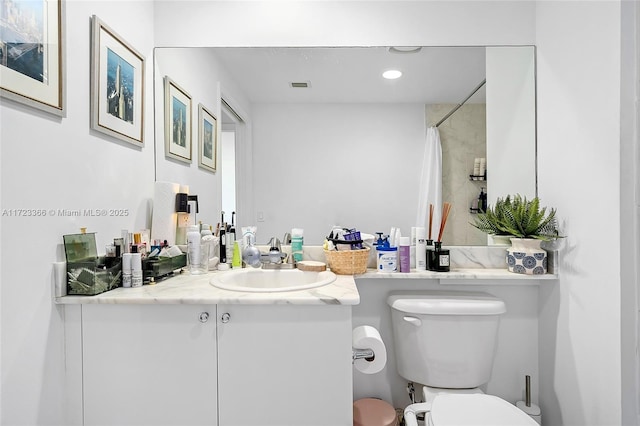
{"x": 328, "y": 141}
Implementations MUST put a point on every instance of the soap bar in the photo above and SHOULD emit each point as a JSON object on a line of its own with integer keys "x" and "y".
{"x": 311, "y": 265}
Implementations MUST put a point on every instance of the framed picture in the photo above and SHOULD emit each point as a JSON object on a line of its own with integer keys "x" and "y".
{"x": 177, "y": 122}
{"x": 117, "y": 85}
{"x": 31, "y": 54}
{"x": 207, "y": 139}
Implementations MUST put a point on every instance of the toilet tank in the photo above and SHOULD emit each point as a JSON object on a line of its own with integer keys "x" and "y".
{"x": 445, "y": 339}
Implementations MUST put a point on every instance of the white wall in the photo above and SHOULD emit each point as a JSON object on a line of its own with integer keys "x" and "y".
{"x": 50, "y": 163}
{"x": 198, "y": 72}
{"x": 319, "y": 165}
{"x": 579, "y": 157}
{"x": 203, "y": 88}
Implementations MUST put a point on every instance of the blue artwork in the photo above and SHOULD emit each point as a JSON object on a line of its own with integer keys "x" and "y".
{"x": 22, "y": 38}
{"x": 120, "y": 87}
{"x": 207, "y": 130}
{"x": 179, "y": 123}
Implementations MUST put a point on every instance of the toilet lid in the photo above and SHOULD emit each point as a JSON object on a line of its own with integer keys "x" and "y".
{"x": 476, "y": 410}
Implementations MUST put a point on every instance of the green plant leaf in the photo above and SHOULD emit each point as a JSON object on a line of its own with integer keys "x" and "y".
{"x": 520, "y": 218}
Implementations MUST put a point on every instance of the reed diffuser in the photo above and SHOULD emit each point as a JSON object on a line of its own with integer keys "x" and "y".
{"x": 441, "y": 259}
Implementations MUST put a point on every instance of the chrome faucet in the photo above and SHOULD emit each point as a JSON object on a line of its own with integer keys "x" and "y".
{"x": 274, "y": 259}
{"x": 275, "y": 251}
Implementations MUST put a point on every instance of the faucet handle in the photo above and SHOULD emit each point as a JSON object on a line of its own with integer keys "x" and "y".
{"x": 274, "y": 244}
{"x": 286, "y": 240}
{"x": 275, "y": 250}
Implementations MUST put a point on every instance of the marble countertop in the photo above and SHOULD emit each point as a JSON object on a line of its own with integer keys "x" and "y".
{"x": 470, "y": 266}
{"x": 481, "y": 274}
{"x": 195, "y": 289}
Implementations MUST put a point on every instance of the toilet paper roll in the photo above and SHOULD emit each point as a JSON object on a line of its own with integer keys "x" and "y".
{"x": 367, "y": 337}
{"x": 163, "y": 221}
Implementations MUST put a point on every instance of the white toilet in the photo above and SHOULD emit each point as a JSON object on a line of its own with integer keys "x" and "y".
{"x": 446, "y": 341}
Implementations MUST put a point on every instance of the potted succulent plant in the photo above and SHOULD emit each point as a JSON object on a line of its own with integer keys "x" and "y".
{"x": 528, "y": 224}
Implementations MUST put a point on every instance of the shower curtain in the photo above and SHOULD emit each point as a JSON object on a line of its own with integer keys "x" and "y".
{"x": 430, "y": 189}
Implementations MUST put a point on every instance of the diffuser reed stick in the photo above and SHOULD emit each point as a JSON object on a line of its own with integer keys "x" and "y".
{"x": 446, "y": 208}
{"x": 430, "y": 219}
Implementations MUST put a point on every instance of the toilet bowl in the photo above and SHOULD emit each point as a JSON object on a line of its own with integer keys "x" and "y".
{"x": 469, "y": 410}
{"x": 446, "y": 341}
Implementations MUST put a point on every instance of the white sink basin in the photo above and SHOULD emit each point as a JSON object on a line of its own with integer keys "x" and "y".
{"x": 271, "y": 280}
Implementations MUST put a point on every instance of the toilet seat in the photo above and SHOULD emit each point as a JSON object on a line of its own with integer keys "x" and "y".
{"x": 476, "y": 410}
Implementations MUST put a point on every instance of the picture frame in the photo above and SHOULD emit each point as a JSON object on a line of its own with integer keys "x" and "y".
{"x": 177, "y": 121}
{"x": 32, "y": 55}
{"x": 117, "y": 85}
{"x": 207, "y": 139}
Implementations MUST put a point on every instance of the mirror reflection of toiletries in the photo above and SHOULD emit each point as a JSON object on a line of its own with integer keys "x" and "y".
{"x": 347, "y": 149}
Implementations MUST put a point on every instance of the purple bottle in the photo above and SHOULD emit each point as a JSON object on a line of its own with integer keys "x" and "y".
{"x": 404, "y": 252}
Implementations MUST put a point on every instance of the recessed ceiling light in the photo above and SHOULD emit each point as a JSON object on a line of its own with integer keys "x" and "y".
{"x": 392, "y": 74}
{"x": 404, "y": 49}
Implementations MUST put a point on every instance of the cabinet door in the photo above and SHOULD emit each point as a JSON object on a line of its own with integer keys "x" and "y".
{"x": 282, "y": 365}
{"x": 149, "y": 365}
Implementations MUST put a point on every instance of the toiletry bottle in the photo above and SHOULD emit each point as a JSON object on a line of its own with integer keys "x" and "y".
{"x": 404, "y": 253}
{"x": 482, "y": 201}
{"x": 126, "y": 270}
{"x": 211, "y": 243}
{"x": 193, "y": 247}
{"x": 421, "y": 249}
{"x": 236, "y": 261}
{"x": 136, "y": 270}
{"x": 297, "y": 240}
{"x": 231, "y": 239}
{"x": 476, "y": 168}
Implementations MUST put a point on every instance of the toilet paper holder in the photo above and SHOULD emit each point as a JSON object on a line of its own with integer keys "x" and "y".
{"x": 366, "y": 354}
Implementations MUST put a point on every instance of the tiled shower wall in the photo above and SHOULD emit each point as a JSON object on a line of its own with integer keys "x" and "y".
{"x": 463, "y": 138}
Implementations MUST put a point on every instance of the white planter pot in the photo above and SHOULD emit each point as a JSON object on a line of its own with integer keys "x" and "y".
{"x": 526, "y": 257}
{"x": 501, "y": 240}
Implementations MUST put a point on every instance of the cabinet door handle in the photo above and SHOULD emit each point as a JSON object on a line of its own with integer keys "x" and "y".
{"x": 204, "y": 317}
{"x": 225, "y": 317}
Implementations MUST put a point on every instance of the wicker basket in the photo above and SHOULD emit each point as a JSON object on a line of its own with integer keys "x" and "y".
{"x": 348, "y": 262}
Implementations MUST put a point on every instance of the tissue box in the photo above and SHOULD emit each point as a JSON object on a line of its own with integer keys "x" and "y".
{"x": 87, "y": 273}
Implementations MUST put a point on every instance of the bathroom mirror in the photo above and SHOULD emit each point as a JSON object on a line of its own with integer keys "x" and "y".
{"x": 328, "y": 141}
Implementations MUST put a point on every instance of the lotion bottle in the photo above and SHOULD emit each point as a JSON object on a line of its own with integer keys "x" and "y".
{"x": 297, "y": 240}
{"x": 421, "y": 248}
{"x": 193, "y": 247}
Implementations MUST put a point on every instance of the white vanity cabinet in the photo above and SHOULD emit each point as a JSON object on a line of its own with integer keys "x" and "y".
{"x": 149, "y": 364}
{"x": 244, "y": 365}
{"x": 284, "y": 365}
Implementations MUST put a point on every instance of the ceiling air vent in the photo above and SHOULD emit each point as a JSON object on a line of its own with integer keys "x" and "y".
{"x": 300, "y": 84}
